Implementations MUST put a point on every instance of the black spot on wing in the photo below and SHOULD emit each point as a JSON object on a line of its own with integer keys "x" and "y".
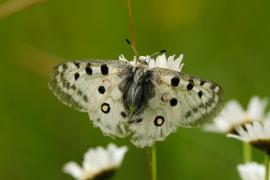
{"x": 135, "y": 121}
{"x": 73, "y": 87}
{"x": 101, "y": 89}
{"x": 85, "y": 98}
{"x": 202, "y": 82}
{"x": 104, "y": 69}
{"x": 66, "y": 84}
{"x": 173, "y": 102}
{"x": 123, "y": 114}
{"x": 200, "y": 94}
{"x": 175, "y": 81}
{"x": 200, "y": 106}
{"x": 76, "y": 76}
{"x": 190, "y": 85}
{"x": 77, "y": 64}
{"x": 65, "y": 66}
{"x": 79, "y": 92}
{"x": 159, "y": 121}
{"x": 212, "y": 86}
{"x": 105, "y": 108}
{"x": 188, "y": 114}
{"x": 88, "y": 69}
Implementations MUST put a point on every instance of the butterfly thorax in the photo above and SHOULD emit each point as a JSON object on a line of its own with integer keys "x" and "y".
{"x": 137, "y": 88}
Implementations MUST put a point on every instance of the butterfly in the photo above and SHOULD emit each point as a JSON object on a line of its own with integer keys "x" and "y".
{"x": 145, "y": 98}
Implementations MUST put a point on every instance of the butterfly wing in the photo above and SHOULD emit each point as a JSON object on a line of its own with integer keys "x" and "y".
{"x": 93, "y": 87}
{"x": 180, "y": 100}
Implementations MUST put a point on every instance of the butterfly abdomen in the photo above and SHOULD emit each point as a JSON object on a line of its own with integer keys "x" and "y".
{"x": 137, "y": 88}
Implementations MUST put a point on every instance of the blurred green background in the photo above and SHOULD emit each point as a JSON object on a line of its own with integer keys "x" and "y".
{"x": 225, "y": 41}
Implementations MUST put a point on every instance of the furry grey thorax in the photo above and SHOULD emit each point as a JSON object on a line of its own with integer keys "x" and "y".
{"x": 137, "y": 88}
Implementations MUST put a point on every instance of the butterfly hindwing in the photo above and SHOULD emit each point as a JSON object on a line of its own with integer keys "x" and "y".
{"x": 92, "y": 86}
{"x": 180, "y": 100}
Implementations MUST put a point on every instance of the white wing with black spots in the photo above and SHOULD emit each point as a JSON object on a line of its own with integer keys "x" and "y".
{"x": 180, "y": 100}
{"x": 87, "y": 86}
{"x": 124, "y": 97}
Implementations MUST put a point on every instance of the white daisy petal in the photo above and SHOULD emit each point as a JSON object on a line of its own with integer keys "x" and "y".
{"x": 242, "y": 132}
{"x": 145, "y": 59}
{"x": 151, "y": 63}
{"x": 231, "y": 116}
{"x": 235, "y": 137}
{"x": 170, "y": 63}
{"x": 162, "y": 61}
{"x": 251, "y": 171}
{"x": 117, "y": 153}
{"x": 122, "y": 58}
{"x": 251, "y": 130}
{"x": 97, "y": 161}
{"x": 259, "y": 130}
{"x": 234, "y": 110}
{"x": 256, "y": 133}
{"x": 257, "y": 107}
{"x": 178, "y": 62}
{"x": 73, "y": 169}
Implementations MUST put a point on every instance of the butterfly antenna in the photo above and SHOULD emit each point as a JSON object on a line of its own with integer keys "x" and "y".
{"x": 159, "y": 52}
{"x": 132, "y": 47}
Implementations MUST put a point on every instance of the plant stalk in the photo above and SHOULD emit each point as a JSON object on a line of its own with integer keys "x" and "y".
{"x": 132, "y": 30}
{"x": 152, "y": 157}
{"x": 266, "y": 163}
{"x": 247, "y": 153}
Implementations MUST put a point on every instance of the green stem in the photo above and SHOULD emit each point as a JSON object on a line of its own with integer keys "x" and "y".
{"x": 132, "y": 30}
{"x": 247, "y": 154}
{"x": 266, "y": 163}
{"x": 152, "y": 154}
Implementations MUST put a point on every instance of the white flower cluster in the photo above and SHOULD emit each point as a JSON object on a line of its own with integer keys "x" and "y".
{"x": 161, "y": 61}
{"x": 251, "y": 126}
{"x": 254, "y": 128}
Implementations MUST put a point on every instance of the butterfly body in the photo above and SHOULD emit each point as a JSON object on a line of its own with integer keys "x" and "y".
{"x": 124, "y": 98}
{"x": 137, "y": 88}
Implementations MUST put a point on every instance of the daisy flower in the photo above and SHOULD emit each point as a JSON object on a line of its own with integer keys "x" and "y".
{"x": 161, "y": 61}
{"x": 257, "y": 134}
{"x": 98, "y": 163}
{"x": 251, "y": 171}
{"x": 233, "y": 115}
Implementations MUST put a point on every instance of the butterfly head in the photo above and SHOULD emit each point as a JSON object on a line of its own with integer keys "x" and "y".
{"x": 144, "y": 60}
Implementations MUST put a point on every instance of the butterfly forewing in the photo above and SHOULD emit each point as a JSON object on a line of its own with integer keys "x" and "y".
{"x": 92, "y": 86}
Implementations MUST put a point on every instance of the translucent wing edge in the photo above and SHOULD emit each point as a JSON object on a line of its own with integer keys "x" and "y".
{"x": 65, "y": 98}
